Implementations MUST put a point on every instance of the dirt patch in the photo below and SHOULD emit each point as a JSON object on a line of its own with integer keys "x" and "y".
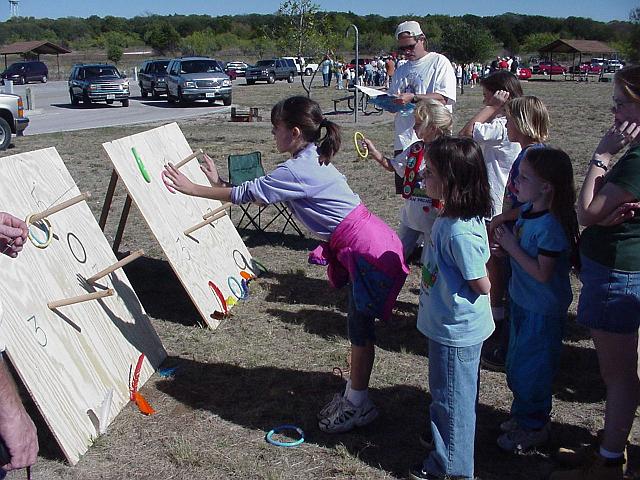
{"x": 271, "y": 362}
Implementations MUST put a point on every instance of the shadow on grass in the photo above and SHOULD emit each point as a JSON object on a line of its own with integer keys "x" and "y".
{"x": 264, "y": 397}
{"x": 578, "y": 378}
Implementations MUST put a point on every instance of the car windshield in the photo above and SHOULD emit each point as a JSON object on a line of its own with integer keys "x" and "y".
{"x": 199, "y": 66}
{"x": 101, "y": 72}
{"x": 264, "y": 63}
{"x": 160, "y": 67}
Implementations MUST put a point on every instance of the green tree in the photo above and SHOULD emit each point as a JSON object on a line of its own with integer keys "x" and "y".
{"x": 464, "y": 47}
{"x": 114, "y": 52}
{"x": 301, "y": 28}
{"x": 162, "y": 37}
{"x": 634, "y": 38}
{"x": 200, "y": 43}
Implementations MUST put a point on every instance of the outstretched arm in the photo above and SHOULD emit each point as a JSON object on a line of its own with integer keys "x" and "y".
{"x": 175, "y": 179}
{"x": 377, "y": 156}
{"x": 13, "y": 234}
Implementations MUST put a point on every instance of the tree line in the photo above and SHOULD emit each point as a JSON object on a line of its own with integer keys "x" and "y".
{"x": 300, "y": 27}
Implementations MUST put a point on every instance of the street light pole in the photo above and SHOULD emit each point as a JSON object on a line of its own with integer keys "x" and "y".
{"x": 357, "y": 77}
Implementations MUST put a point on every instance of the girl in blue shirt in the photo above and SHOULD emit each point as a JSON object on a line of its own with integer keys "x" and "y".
{"x": 454, "y": 312}
{"x": 542, "y": 247}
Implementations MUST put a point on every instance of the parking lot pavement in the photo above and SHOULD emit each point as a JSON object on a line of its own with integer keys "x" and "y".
{"x": 53, "y": 111}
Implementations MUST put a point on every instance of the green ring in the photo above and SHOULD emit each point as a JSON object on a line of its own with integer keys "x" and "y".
{"x": 143, "y": 170}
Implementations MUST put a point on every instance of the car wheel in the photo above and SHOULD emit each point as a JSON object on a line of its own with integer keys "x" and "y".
{"x": 143, "y": 92}
{"x": 271, "y": 78}
{"x": 154, "y": 93}
{"x": 290, "y": 78}
{"x": 74, "y": 99}
{"x": 251, "y": 82}
{"x": 226, "y": 101}
{"x": 170, "y": 98}
{"x": 5, "y": 134}
{"x": 180, "y": 98}
{"x": 44, "y": 79}
{"x": 125, "y": 102}
{"x": 308, "y": 72}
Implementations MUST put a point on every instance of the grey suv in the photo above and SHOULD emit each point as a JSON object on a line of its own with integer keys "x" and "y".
{"x": 97, "y": 83}
{"x": 272, "y": 70}
{"x": 197, "y": 78}
{"x": 153, "y": 78}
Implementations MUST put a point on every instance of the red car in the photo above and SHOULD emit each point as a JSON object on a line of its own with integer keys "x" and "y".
{"x": 523, "y": 73}
{"x": 549, "y": 68}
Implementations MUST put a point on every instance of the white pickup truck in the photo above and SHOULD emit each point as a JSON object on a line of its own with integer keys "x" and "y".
{"x": 12, "y": 119}
{"x": 304, "y": 67}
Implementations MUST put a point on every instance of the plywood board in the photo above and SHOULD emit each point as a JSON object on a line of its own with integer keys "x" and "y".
{"x": 75, "y": 361}
{"x": 213, "y": 254}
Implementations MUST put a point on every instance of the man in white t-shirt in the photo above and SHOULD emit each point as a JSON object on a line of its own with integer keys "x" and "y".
{"x": 17, "y": 430}
{"x": 425, "y": 75}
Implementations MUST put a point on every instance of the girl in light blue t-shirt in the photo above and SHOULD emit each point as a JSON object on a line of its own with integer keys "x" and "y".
{"x": 454, "y": 311}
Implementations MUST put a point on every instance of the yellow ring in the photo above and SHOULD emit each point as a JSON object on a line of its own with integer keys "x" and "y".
{"x": 32, "y": 239}
{"x": 357, "y": 138}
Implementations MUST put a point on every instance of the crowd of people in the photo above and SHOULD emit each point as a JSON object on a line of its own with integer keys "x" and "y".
{"x": 498, "y": 213}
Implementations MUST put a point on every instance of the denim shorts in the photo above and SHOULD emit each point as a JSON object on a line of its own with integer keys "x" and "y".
{"x": 362, "y": 327}
{"x": 609, "y": 299}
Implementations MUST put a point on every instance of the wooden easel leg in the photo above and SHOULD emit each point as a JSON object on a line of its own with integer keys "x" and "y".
{"x": 106, "y": 206}
{"x": 123, "y": 221}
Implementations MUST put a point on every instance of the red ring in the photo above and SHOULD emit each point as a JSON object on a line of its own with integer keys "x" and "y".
{"x": 218, "y": 293}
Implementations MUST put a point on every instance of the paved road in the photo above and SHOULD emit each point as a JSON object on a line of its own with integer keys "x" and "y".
{"x": 54, "y": 112}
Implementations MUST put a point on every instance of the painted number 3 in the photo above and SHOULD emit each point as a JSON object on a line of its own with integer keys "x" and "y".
{"x": 41, "y": 337}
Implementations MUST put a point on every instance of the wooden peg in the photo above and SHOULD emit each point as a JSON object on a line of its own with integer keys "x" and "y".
{"x": 61, "y": 206}
{"x": 221, "y": 208}
{"x": 126, "y": 260}
{"x": 80, "y": 298}
{"x": 186, "y": 160}
{"x": 203, "y": 223}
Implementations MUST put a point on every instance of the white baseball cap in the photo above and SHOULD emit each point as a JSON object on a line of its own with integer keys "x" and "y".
{"x": 411, "y": 27}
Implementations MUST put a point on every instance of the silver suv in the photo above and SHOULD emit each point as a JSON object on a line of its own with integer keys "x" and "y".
{"x": 197, "y": 78}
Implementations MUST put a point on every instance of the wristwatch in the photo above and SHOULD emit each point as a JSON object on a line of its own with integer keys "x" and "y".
{"x": 599, "y": 164}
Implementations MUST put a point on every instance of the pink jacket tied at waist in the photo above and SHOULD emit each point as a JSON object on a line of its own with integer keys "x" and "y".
{"x": 364, "y": 251}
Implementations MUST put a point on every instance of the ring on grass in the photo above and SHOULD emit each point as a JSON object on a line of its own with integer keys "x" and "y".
{"x": 232, "y": 281}
{"x": 358, "y": 138}
{"x": 257, "y": 266}
{"x": 269, "y": 436}
{"x": 141, "y": 167}
{"x": 43, "y": 226}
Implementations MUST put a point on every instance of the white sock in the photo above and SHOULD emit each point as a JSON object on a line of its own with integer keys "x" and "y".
{"x": 610, "y": 455}
{"x": 497, "y": 313}
{"x": 357, "y": 397}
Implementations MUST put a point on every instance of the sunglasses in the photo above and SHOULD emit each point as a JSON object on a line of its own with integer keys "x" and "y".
{"x": 407, "y": 48}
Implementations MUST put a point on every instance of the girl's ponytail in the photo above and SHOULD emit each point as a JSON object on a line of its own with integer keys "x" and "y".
{"x": 329, "y": 144}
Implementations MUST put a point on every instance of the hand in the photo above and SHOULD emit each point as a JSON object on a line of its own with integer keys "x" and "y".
{"x": 13, "y": 234}
{"x": 20, "y": 436}
{"x": 175, "y": 179}
{"x": 621, "y": 214}
{"x": 495, "y": 223}
{"x": 403, "y": 98}
{"x": 499, "y": 99}
{"x": 496, "y": 250}
{"x": 373, "y": 151}
{"x": 506, "y": 238}
{"x": 617, "y": 137}
{"x": 209, "y": 168}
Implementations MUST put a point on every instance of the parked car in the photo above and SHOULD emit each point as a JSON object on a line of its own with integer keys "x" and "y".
{"x": 523, "y": 73}
{"x": 614, "y": 65}
{"x": 272, "y": 70}
{"x": 549, "y": 68}
{"x": 303, "y": 65}
{"x": 25, "y": 72}
{"x": 97, "y": 82}
{"x": 152, "y": 78}
{"x": 197, "y": 78}
{"x": 12, "y": 119}
{"x": 239, "y": 67}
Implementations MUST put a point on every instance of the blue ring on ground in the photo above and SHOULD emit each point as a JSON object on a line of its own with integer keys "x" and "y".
{"x": 279, "y": 429}
{"x": 243, "y": 293}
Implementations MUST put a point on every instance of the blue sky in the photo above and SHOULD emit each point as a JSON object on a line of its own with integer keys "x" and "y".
{"x": 603, "y": 10}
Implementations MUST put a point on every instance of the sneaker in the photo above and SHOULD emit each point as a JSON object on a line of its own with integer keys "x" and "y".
{"x": 509, "y": 425}
{"x": 521, "y": 440}
{"x": 417, "y": 473}
{"x": 330, "y": 407}
{"x": 494, "y": 360}
{"x": 599, "y": 468}
{"x": 346, "y": 415}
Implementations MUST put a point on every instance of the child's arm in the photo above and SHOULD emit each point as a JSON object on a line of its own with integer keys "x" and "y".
{"x": 598, "y": 199}
{"x": 481, "y": 286}
{"x": 504, "y": 217}
{"x": 179, "y": 182}
{"x": 377, "y": 156}
{"x": 486, "y": 113}
{"x": 540, "y": 268}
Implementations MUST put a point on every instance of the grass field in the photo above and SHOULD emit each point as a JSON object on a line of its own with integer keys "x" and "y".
{"x": 271, "y": 362}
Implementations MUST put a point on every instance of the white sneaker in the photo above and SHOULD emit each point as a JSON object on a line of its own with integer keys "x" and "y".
{"x": 346, "y": 415}
{"x": 330, "y": 407}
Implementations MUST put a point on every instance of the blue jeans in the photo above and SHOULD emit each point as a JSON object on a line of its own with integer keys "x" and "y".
{"x": 454, "y": 377}
{"x": 535, "y": 342}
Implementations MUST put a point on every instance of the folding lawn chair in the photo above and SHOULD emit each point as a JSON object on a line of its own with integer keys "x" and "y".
{"x": 246, "y": 167}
